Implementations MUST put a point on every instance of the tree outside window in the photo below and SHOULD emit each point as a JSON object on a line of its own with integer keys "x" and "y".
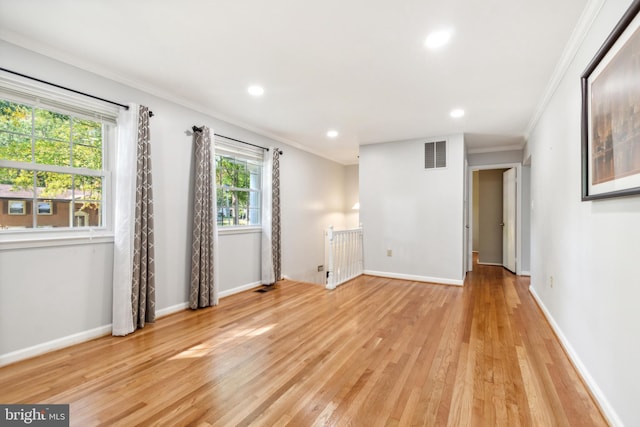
{"x": 238, "y": 181}
{"x": 48, "y": 155}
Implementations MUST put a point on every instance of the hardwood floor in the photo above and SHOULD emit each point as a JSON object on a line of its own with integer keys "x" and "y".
{"x": 374, "y": 352}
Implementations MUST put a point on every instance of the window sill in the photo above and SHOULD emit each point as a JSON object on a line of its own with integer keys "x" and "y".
{"x": 52, "y": 238}
{"x": 224, "y": 231}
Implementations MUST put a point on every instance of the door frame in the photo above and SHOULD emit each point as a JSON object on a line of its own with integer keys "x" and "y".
{"x": 470, "y": 170}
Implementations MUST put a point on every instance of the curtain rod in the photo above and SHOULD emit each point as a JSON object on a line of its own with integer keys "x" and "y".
{"x": 126, "y": 107}
{"x": 199, "y": 129}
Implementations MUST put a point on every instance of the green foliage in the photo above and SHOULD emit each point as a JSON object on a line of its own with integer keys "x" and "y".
{"x": 33, "y": 135}
{"x": 234, "y": 195}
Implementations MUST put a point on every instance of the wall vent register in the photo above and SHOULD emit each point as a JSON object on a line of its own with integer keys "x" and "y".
{"x": 435, "y": 155}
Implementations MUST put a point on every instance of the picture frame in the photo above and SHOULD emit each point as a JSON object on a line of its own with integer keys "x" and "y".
{"x": 17, "y": 207}
{"x": 610, "y": 120}
{"x": 44, "y": 207}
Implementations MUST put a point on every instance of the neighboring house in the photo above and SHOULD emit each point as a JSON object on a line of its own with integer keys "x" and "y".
{"x": 17, "y": 210}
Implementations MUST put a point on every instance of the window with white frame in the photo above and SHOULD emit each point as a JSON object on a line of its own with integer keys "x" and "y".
{"x": 238, "y": 184}
{"x": 53, "y": 163}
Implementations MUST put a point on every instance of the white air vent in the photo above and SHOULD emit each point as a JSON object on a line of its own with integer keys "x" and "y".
{"x": 435, "y": 154}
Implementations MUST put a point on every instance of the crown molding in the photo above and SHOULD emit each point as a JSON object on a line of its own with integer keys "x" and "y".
{"x": 588, "y": 16}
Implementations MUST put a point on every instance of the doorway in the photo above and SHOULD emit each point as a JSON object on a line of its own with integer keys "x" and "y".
{"x": 494, "y": 232}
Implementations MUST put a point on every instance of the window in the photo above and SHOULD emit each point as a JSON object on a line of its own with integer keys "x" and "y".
{"x": 239, "y": 185}
{"x": 52, "y": 163}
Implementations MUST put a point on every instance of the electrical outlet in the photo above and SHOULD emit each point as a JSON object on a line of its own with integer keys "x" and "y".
{"x": 551, "y": 281}
{"x": 321, "y": 268}
{"x": 389, "y": 252}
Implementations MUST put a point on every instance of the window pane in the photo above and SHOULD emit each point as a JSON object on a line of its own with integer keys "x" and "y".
{"x": 254, "y": 216}
{"x": 52, "y": 125}
{"x": 242, "y": 174}
{"x": 16, "y": 198}
{"x": 51, "y": 152}
{"x": 88, "y": 188}
{"x": 224, "y": 171}
{"x": 255, "y": 176}
{"x": 52, "y": 213}
{"x": 15, "y": 117}
{"x": 18, "y": 181}
{"x": 235, "y": 178}
{"x": 15, "y": 147}
{"x": 87, "y": 144}
{"x": 54, "y": 197}
{"x": 53, "y": 185}
{"x": 87, "y": 214}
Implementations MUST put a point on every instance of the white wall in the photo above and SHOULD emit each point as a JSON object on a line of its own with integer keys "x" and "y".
{"x": 525, "y": 217}
{"x": 49, "y": 294}
{"x": 416, "y": 213}
{"x": 312, "y": 200}
{"x": 495, "y": 158}
{"x": 589, "y": 248}
{"x": 351, "y": 196}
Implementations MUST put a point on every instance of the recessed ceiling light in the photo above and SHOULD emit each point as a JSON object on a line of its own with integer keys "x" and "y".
{"x": 437, "y": 39}
{"x": 457, "y": 113}
{"x": 332, "y": 133}
{"x": 255, "y": 90}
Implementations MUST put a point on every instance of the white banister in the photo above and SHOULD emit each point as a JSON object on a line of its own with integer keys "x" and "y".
{"x": 346, "y": 258}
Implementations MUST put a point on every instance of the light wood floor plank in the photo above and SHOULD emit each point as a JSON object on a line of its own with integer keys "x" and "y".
{"x": 374, "y": 352}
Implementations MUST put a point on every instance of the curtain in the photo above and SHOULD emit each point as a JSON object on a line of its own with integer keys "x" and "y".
{"x": 133, "y": 258}
{"x": 271, "y": 246}
{"x": 203, "y": 291}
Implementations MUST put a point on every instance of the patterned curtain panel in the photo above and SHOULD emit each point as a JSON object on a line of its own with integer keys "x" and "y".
{"x": 271, "y": 246}
{"x": 275, "y": 225}
{"x": 143, "y": 293}
{"x": 204, "y": 287}
{"x": 133, "y": 258}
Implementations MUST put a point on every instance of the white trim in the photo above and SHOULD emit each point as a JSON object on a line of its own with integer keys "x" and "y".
{"x": 493, "y": 264}
{"x": 589, "y": 14}
{"x": 239, "y": 289}
{"x": 437, "y": 280}
{"x": 496, "y": 148}
{"x": 73, "y": 339}
{"x": 247, "y": 229}
{"x": 170, "y": 310}
{"x": 525, "y": 273}
{"x": 56, "y": 344}
{"x": 607, "y": 410}
{"x": 80, "y": 337}
{"x": 37, "y": 241}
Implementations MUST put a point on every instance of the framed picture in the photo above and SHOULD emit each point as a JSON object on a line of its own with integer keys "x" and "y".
{"x": 611, "y": 114}
{"x": 17, "y": 207}
{"x": 45, "y": 207}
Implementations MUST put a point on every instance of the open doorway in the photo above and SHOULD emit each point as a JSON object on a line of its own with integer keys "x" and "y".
{"x": 495, "y": 235}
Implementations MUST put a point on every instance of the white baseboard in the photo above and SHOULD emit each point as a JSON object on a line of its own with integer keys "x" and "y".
{"x": 490, "y": 263}
{"x": 608, "y": 411}
{"x": 170, "y": 310}
{"x": 239, "y": 289}
{"x": 438, "y": 280}
{"x": 525, "y": 273}
{"x": 56, "y": 344}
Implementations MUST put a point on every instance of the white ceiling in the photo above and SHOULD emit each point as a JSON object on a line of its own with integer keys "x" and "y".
{"x": 357, "y": 66}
